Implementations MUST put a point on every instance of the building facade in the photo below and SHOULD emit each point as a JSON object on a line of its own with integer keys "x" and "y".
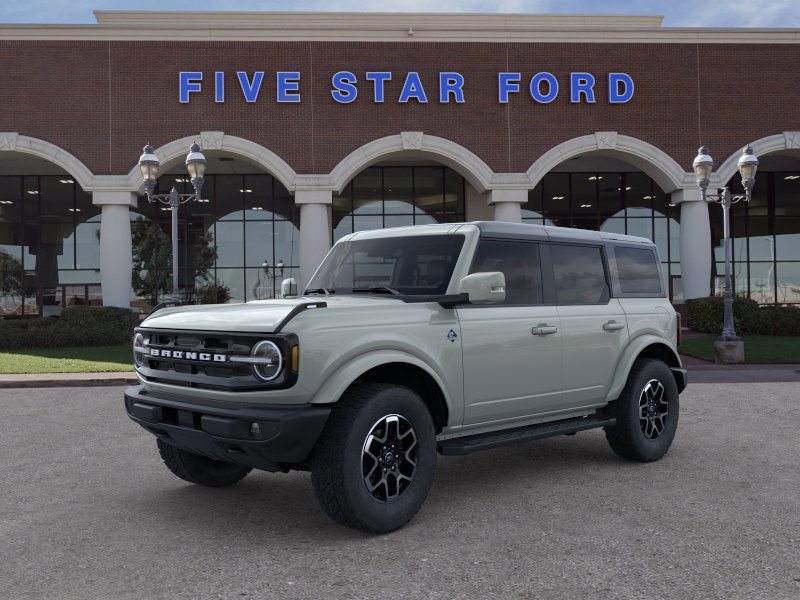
{"x": 320, "y": 124}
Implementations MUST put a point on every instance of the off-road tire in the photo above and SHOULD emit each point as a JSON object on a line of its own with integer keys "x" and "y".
{"x": 199, "y": 469}
{"x": 627, "y": 438}
{"x": 336, "y": 461}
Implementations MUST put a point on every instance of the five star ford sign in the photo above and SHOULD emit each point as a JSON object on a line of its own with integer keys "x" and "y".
{"x": 542, "y": 87}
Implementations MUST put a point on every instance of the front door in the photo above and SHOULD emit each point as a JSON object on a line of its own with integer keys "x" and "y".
{"x": 512, "y": 351}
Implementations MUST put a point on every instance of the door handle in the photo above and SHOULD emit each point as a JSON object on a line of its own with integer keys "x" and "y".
{"x": 613, "y": 326}
{"x": 543, "y": 329}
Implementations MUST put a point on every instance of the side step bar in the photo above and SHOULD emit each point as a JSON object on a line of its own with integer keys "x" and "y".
{"x": 496, "y": 439}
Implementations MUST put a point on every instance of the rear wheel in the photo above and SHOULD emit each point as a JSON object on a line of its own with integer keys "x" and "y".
{"x": 375, "y": 461}
{"x": 646, "y": 413}
{"x": 199, "y": 469}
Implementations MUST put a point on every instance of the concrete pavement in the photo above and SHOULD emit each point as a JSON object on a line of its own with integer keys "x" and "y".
{"x": 88, "y": 511}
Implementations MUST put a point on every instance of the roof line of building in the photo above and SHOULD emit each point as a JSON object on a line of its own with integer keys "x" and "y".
{"x": 335, "y": 32}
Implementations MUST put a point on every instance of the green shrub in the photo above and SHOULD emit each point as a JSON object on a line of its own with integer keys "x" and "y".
{"x": 213, "y": 293}
{"x": 77, "y": 326}
{"x": 705, "y": 315}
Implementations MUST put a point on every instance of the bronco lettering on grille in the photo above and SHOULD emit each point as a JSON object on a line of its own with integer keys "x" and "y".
{"x": 182, "y": 354}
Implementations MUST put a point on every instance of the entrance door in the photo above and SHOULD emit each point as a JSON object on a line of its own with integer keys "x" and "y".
{"x": 512, "y": 351}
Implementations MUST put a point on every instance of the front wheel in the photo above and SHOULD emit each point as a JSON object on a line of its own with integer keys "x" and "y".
{"x": 646, "y": 413}
{"x": 375, "y": 461}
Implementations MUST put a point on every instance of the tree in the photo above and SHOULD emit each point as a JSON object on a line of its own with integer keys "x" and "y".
{"x": 152, "y": 259}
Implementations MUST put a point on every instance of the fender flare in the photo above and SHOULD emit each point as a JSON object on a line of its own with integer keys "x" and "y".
{"x": 629, "y": 356}
{"x": 335, "y": 385}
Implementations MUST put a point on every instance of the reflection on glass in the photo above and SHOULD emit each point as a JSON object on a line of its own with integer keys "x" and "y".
{"x": 788, "y": 283}
{"x": 233, "y": 281}
{"x": 762, "y": 282}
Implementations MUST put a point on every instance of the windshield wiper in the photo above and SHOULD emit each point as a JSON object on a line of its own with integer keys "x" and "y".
{"x": 321, "y": 290}
{"x": 377, "y": 289}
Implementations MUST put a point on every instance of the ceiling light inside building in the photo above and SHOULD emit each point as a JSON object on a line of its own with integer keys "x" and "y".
{"x": 6, "y": 202}
{"x": 792, "y": 177}
{"x": 33, "y": 192}
{"x": 66, "y": 181}
{"x": 74, "y": 209}
{"x": 586, "y": 206}
{"x": 558, "y": 197}
{"x": 647, "y": 197}
{"x": 257, "y": 208}
{"x": 246, "y": 191}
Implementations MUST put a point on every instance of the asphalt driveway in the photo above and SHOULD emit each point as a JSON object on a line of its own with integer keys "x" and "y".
{"x": 87, "y": 510}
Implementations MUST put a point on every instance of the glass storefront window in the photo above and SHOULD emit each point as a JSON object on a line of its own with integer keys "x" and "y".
{"x": 49, "y": 241}
{"x": 381, "y": 197}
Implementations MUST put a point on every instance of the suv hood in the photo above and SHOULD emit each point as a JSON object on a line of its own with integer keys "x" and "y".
{"x": 260, "y": 316}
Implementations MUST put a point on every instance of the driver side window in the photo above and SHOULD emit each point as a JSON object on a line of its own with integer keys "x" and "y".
{"x": 518, "y": 262}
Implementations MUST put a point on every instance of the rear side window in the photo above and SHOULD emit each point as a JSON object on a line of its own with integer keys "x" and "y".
{"x": 579, "y": 273}
{"x": 637, "y": 270}
{"x": 518, "y": 262}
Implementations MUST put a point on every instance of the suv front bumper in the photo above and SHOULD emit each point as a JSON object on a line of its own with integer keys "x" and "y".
{"x": 263, "y": 437}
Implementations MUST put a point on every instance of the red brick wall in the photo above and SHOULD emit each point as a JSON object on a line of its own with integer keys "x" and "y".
{"x": 102, "y": 101}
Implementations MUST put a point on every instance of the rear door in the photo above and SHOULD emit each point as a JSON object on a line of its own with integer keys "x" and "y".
{"x": 512, "y": 351}
{"x": 594, "y": 328}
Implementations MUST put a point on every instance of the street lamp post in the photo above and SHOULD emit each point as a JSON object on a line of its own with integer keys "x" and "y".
{"x": 196, "y": 165}
{"x": 729, "y": 347}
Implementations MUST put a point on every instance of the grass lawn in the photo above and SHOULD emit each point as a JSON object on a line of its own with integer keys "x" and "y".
{"x": 91, "y": 359}
{"x": 763, "y": 349}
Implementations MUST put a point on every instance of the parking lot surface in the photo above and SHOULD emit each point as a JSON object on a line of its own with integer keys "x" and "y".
{"x": 87, "y": 510}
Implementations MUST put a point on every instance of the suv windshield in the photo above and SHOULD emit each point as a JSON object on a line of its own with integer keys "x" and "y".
{"x": 407, "y": 265}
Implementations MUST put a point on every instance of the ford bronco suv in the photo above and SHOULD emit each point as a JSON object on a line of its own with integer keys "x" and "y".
{"x": 451, "y": 338}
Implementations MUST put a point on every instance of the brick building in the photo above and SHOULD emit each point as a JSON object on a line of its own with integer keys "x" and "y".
{"x": 319, "y": 124}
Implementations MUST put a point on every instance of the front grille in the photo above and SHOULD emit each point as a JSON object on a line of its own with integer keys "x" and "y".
{"x": 203, "y": 373}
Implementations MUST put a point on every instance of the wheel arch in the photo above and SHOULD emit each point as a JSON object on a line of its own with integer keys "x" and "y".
{"x": 646, "y": 346}
{"x": 396, "y": 368}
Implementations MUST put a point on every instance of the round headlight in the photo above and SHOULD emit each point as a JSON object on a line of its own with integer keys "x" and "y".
{"x": 270, "y": 360}
{"x": 138, "y": 342}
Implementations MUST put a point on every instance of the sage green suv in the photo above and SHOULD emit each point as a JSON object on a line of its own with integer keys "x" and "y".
{"x": 412, "y": 341}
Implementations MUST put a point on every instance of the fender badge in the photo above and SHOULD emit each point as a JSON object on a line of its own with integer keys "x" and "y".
{"x": 452, "y": 336}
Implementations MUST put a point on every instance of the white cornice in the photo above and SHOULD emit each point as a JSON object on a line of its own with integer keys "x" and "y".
{"x": 388, "y": 27}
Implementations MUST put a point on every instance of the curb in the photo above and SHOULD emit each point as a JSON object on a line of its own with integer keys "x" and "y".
{"x": 50, "y": 382}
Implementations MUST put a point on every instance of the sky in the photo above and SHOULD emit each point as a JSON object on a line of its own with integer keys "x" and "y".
{"x": 678, "y": 13}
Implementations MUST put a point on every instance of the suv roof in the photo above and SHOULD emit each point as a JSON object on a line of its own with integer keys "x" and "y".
{"x": 504, "y": 229}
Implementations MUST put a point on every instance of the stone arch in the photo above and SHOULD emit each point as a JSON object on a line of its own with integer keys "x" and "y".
{"x": 218, "y": 140}
{"x": 656, "y": 163}
{"x": 788, "y": 140}
{"x": 11, "y": 141}
{"x": 444, "y": 151}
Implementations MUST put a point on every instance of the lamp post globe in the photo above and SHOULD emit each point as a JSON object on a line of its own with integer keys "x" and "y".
{"x": 748, "y": 165}
{"x": 196, "y": 165}
{"x": 703, "y": 164}
{"x": 148, "y": 165}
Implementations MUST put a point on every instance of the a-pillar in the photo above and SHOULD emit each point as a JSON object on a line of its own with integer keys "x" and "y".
{"x": 116, "y": 255}
{"x": 508, "y": 204}
{"x": 315, "y": 230}
{"x": 695, "y": 243}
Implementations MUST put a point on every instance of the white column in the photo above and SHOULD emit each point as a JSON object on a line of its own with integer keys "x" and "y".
{"x": 695, "y": 243}
{"x": 116, "y": 255}
{"x": 508, "y": 204}
{"x": 315, "y": 230}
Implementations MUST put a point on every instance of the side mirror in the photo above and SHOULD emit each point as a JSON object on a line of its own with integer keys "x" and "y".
{"x": 288, "y": 287}
{"x": 484, "y": 288}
